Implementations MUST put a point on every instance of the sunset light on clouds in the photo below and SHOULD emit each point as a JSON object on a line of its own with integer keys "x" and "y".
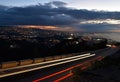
{"x": 67, "y": 15}
{"x": 50, "y": 28}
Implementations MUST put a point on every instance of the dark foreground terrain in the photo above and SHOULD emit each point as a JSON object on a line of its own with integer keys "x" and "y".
{"x": 107, "y": 70}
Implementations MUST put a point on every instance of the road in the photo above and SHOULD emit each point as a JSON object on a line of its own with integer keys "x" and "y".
{"x": 55, "y": 71}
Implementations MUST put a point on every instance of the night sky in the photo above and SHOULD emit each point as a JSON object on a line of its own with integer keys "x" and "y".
{"x": 74, "y": 15}
{"x": 110, "y": 5}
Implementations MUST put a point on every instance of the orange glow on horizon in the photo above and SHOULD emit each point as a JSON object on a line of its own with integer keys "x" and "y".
{"x": 115, "y": 30}
{"x": 51, "y": 27}
{"x": 39, "y": 27}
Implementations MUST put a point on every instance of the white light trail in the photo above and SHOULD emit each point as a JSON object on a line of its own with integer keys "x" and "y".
{"x": 19, "y": 72}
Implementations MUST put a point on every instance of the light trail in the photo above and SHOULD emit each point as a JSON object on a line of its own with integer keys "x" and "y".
{"x": 64, "y": 77}
{"x": 46, "y": 62}
{"x": 54, "y": 74}
{"x": 40, "y": 79}
{"x": 19, "y": 72}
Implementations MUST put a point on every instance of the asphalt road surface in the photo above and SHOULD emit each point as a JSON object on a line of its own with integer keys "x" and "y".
{"x": 56, "y": 73}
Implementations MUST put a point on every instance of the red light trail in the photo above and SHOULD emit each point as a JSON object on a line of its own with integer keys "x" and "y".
{"x": 64, "y": 77}
{"x": 54, "y": 74}
{"x": 38, "y": 80}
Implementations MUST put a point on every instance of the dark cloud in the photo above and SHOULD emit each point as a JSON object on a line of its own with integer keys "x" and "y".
{"x": 47, "y": 14}
{"x": 3, "y": 8}
{"x": 54, "y": 14}
{"x": 56, "y": 4}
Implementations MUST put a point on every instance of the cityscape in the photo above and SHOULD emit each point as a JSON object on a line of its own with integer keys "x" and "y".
{"x": 59, "y": 41}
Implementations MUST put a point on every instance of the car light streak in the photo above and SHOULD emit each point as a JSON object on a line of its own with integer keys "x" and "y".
{"x": 46, "y": 62}
{"x": 64, "y": 77}
{"x": 44, "y": 66}
{"x": 38, "y": 80}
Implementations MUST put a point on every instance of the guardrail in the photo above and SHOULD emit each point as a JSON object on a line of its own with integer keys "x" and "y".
{"x": 45, "y": 64}
{"x": 11, "y": 64}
